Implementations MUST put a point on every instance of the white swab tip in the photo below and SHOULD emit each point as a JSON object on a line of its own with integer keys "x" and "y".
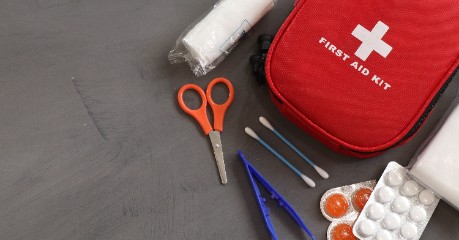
{"x": 251, "y": 133}
{"x": 308, "y": 181}
{"x": 266, "y": 123}
{"x": 321, "y": 172}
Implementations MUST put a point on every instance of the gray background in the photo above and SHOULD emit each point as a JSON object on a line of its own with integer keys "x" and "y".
{"x": 94, "y": 146}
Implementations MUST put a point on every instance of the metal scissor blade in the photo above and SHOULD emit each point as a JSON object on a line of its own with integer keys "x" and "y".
{"x": 218, "y": 152}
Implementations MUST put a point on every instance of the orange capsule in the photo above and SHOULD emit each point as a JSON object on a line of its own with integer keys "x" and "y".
{"x": 343, "y": 232}
{"x": 361, "y": 198}
{"x": 336, "y": 205}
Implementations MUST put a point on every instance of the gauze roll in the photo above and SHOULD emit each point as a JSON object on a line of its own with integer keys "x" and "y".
{"x": 437, "y": 166}
{"x": 221, "y": 28}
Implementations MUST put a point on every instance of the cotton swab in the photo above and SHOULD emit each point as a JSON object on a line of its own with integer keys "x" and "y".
{"x": 307, "y": 180}
{"x": 319, "y": 170}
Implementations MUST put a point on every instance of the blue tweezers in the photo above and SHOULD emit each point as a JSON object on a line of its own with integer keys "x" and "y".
{"x": 252, "y": 172}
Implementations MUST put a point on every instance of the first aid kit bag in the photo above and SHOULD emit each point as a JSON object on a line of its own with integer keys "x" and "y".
{"x": 362, "y": 76}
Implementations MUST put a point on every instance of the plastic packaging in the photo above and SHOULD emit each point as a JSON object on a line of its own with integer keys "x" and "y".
{"x": 342, "y": 205}
{"x": 399, "y": 207}
{"x": 436, "y": 164}
{"x": 205, "y": 44}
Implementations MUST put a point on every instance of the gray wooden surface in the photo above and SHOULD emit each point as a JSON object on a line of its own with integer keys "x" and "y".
{"x": 94, "y": 146}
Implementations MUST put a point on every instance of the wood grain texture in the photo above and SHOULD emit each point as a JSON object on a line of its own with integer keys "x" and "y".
{"x": 94, "y": 146}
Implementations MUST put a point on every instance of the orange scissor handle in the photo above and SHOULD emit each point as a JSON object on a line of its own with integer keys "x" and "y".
{"x": 219, "y": 110}
{"x": 199, "y": 114}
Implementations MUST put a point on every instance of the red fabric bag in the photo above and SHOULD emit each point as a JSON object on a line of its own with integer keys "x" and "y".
{"x": 362, "y": 76}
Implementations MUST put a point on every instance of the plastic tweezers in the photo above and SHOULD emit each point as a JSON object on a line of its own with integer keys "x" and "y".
{"x": 252, "y": 172}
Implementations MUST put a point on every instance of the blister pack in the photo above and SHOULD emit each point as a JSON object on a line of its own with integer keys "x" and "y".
{"x": 399, "y": 207}
{"x": 342, "y": 206}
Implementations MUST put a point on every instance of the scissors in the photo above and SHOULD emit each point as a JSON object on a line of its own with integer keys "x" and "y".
{"x": 200, "y": 115}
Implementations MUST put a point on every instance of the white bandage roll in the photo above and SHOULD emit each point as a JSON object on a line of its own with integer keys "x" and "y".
{"x": 438, "y": 165}
{"x": 214, "y": 35}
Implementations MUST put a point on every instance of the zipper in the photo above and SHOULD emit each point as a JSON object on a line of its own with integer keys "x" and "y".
{"x": 423, "y": 117}
{"x": 429, "y": 108}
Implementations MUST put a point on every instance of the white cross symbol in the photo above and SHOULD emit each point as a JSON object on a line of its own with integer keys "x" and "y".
{"x": 371, "y": 41}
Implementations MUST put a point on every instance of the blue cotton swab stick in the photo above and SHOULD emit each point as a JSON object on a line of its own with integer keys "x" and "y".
{"x": 319, "y": 170}
{"x": 307, "y": 180}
